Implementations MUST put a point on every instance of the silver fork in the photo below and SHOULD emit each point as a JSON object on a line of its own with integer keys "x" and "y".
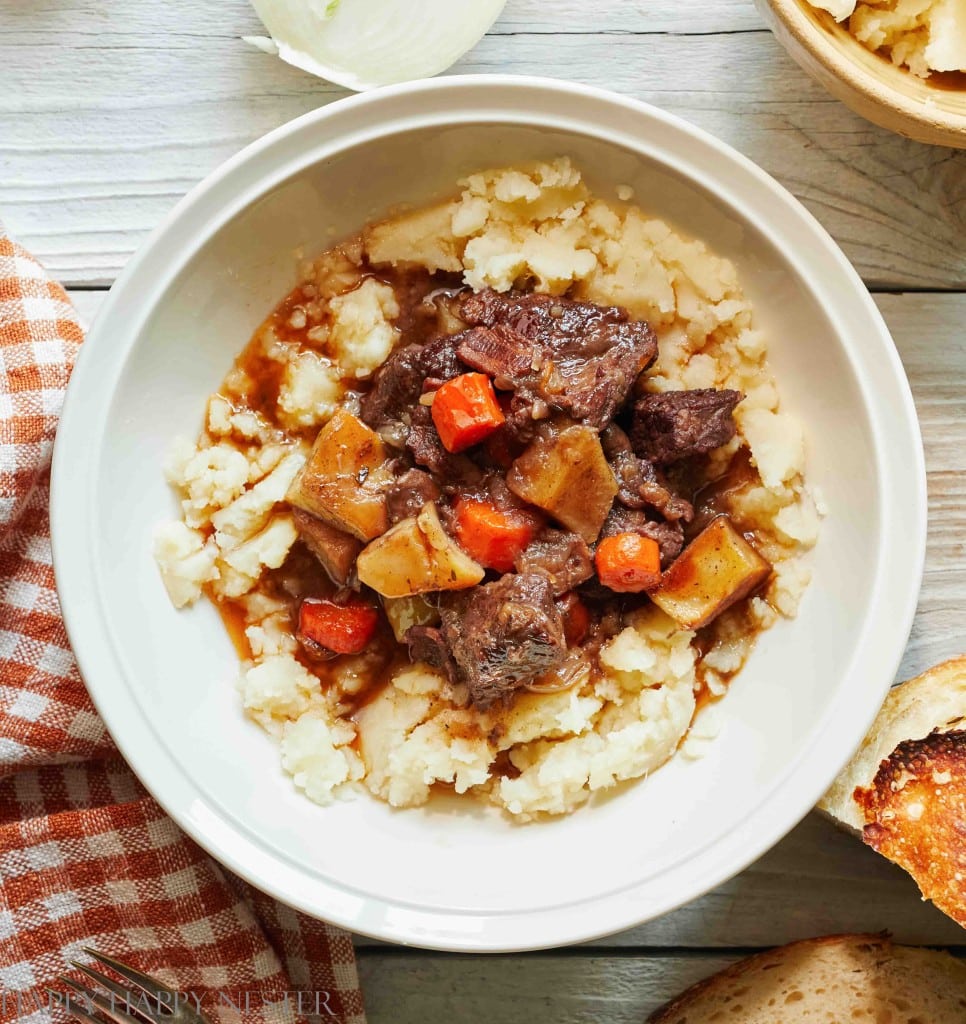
{"x": 145, "y": 1001}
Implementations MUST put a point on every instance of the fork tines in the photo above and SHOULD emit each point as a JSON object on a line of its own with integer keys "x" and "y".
{"x": 145, "y": 1000}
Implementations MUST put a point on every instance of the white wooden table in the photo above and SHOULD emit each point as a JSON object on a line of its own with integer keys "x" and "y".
{"x": 111, "y": 110}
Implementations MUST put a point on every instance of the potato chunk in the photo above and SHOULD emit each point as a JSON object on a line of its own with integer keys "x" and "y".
{"x": 417, "y": 556}
{"x": 423, "y": 236}
{"x": 718, "y": 568}
{"x": 567, "y": 475}
{"x": 341, "y": 483}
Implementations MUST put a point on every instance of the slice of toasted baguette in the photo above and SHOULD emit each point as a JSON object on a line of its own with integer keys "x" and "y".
{"x": 835, "y": 979}
{"x": 905, "y": 789}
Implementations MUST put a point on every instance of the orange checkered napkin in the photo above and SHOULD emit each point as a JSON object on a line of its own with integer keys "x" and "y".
{"x": 87, "y": 858}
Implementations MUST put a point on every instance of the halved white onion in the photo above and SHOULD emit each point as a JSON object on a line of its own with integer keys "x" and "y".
{"x": 362, "y": 44}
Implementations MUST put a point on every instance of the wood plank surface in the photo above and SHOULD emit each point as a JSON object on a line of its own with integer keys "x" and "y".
{"x": 406, "y": 988}
{"x": 402, "y": 988}
{"x": 930, "y": 333}
{"x": 109, "y": 113}
{"x": 98, "y": 144}
{"x": 67, "y": 25}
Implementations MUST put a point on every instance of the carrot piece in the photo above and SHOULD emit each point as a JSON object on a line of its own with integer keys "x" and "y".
{"x": 340, "y": 628}
{"x": 465, "y": 411}
{"x": 628, "y": 563}
{"x": 493, "y": 536}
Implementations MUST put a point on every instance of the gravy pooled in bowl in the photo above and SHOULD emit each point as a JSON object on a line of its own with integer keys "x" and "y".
{"x": 496, "y": 497}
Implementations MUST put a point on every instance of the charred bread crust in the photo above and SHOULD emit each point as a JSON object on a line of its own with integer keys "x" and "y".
{"x": 904, "y": 791}
{"x": 915, "y": 811}
{"x": 935, "y": 700}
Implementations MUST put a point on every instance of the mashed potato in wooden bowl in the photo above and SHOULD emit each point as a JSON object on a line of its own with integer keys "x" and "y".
{"x": 924, "y": 36}
{"x": 496, "y": 498}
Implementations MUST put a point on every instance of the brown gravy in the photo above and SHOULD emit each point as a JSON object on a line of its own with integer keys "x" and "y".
{"x": 292, "y": 321}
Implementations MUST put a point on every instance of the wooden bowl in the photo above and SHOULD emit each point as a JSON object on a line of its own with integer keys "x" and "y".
{"x": 929, "y": 110}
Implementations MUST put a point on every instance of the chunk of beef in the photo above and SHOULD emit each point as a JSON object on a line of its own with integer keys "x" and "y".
{"x": 397, "y": 384}
{"x": 437, "y": 359}
{"x": 426, "y": 644}
{"x": 495, "y": 490}
{"x": 335, "y": 549}
{"x": 561, "y": 556}
{"x": 575, "y": 357}
{"x": 399, "y": 381}
{"x": 427, "y": 450}
{"x": 563, "y": 325}
{"x": 524, "y": 413}
{"x": 498, "y": 351}
{"x": 640, "y": 485}
{"x": 669, "y": 536}
{"x": 676, "y": 424}
{"x": 661, "y": 498}
{"x": 406, "y": 495}
{"x": 633, "y": 474}
{"x": 501, "y": 635}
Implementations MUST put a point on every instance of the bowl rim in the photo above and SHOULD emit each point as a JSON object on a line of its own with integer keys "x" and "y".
{"x": 808, "y": 33}
{"x": 291, "y": 148}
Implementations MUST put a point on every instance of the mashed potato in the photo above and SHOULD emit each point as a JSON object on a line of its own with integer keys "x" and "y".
{"x": 545, "y": 753}
{"x": 922, "y": 35}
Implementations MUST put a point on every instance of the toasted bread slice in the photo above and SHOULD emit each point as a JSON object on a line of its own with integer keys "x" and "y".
{"x": 905, "y": 789}
{"x": 916, "y": 814}
{"x": 834, "y": 979}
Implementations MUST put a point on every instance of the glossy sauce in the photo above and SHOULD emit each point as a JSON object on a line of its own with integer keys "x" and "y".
{"x": 714, "y": 498}
{"x": 298, "y": 577}
{"x": 301, "y": 575}
{"x": 294, "y": 321}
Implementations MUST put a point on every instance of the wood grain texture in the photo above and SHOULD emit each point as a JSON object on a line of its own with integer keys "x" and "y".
{"x": 98, "y": 144}
{"x": 408, "y": 989}
{"x": 820, "y": 880}
{"x": 930, "y": 337}
{"x": 627, "y": 16}
{"x": 401, "y": 988}
{"x": 109, "y": 113}
{"x": 188, "y": 19}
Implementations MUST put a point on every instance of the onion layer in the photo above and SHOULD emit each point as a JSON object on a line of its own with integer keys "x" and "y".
{"x": 362, "y": 44}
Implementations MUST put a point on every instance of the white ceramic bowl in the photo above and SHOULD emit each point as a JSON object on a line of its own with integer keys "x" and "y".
{"x": 453, "y": 875}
